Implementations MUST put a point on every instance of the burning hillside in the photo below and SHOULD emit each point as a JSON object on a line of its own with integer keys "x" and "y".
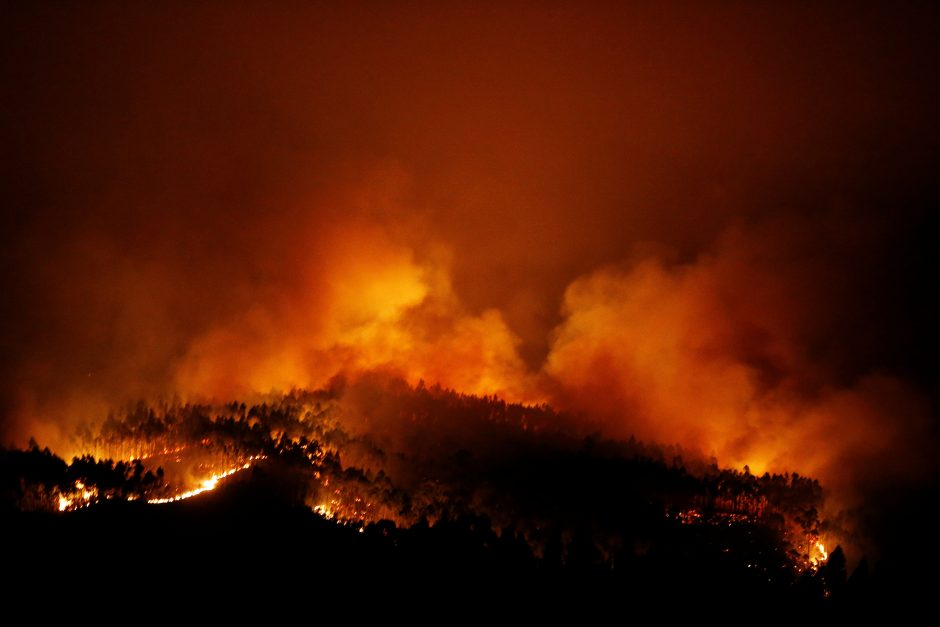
{"x": 638, "y": 293}
{"x": 378, "y": 454}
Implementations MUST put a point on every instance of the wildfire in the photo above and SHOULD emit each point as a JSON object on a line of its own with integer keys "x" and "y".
{"x": 80, "y": 497}
{"x": 207, "y": 484}
{"x": 820, "y": 555}
{"x": 161, "y": 453}
{"x": 353, "y": 510}
{"x": 323, "y": 509}
{"x": 305, "y": 431}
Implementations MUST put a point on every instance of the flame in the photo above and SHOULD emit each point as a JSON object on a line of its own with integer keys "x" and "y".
{"x": 820, "y": 555}
{"x": 207, "y": 484}
{"x": 323, "y": 509}
{"x": 79, "y": 496}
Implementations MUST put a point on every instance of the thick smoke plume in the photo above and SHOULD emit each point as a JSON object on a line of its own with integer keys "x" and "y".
{"x": 751, "y": 352}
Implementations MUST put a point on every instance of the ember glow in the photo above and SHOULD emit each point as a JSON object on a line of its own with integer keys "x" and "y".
{"x": 378, "y": 248}
{"x": 80, "y": 497}
{"x": 820, "y": 555}
{"x": 205, "y": 486}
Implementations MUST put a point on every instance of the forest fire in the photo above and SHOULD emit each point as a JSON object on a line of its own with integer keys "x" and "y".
{"x": 204, "y": 486}
{"x": 314, "y": 442}
{"x": 612, "y": 291}
{"x": 80, "y": 497}
{"x": 820, "y": 555}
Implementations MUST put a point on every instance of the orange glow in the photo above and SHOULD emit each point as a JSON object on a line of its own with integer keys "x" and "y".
{"x": 206, "y": 485}
{"x": 661, "y": 351}
{"x": 657, "y": 350}
{"x": 678, "y": 352}
{"x": 377, "y": 308}
{"x": 551, "y": 206}
{"x": 819, "y": 555}
{"x": 80, "y": 496}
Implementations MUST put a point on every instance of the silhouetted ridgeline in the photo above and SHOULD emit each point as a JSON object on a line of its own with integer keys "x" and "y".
{"x": 383, "y": 478}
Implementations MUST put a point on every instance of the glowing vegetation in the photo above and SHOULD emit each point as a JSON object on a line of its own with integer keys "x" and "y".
{"x": 382, "y": 450}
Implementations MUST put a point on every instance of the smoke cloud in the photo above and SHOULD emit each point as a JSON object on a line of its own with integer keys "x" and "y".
{"x": 755, "y": 352}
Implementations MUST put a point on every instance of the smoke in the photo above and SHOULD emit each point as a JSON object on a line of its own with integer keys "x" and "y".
{"x": 365, "y": 303}
{"x": 704, "y": 226}
{"x": 753, "y": 352}
{"x": 756, "y": 353}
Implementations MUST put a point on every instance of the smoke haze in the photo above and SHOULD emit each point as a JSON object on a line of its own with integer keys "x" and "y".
{"x": 697, "y": 225}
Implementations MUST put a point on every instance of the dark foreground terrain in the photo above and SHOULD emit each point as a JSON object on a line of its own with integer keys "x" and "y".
{"x": 244, "y": 543}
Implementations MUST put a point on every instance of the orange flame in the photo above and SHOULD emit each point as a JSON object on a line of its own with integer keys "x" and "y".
{"x": 206, "y": 485}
